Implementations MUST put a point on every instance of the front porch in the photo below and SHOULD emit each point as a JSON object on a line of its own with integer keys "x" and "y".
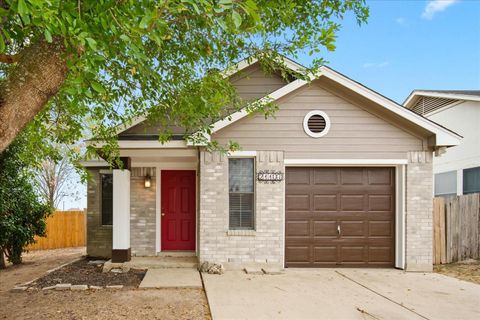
{"x": 159, "y": 262}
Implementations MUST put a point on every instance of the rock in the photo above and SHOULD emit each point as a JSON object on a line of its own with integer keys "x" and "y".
{"x": 96, "y": 287}
{"x": 79, "y": 287}
{"x": 116, "y": 287}
{"x": 18, "y": 289}
{"x": 63, "y": 286}
{"x": 49, "y": 288}
{"x": 211, "y": 268}
{"x": 116, "y": 270}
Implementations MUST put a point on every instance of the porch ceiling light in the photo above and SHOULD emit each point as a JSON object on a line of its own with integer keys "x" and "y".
{"x": 148, "y": 181}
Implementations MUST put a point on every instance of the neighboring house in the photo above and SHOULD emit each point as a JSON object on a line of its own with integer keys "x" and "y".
{"x": 341, "y": 176}
{"x": 458, "y": 171}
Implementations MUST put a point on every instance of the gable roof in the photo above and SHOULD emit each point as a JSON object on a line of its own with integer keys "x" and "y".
{"x": 443, "y": 136}
{"x": 472, "y": 95}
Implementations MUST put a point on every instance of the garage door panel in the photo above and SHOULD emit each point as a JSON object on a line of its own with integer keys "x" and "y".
{"x": 324, "y": 176}
{"x": 297, "y": 176}
{"x": 325, "y": 254}
{"x": 353, "y": 228}
{"x": 325, "y": 202}
{"x": 379, "y": 176}
{"x": 298, "y": 202}
{"x": 297, "y": 229}
{"x": 381, "y": 229}
{"x": 380, "y": 202}
{"x": 351, "y": 176}
{"x": 299, "y": 254}
{"x": 380, "y": 254}
{"x": 354, "y": 254}
{"x": 359, "y": 200}
{"x": 352, "y": 202}
{"x": 325, "y": 229}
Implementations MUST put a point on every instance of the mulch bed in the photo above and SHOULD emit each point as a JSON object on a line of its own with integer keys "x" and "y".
{"x": 468, "y": 270}
{"x": 81, "y": 272}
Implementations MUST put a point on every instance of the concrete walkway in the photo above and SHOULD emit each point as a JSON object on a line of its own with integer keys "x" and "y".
{"x": 341, "y": 294}
{"x": 171, "y": 278}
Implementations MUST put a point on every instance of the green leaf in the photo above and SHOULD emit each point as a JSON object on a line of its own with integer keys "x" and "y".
{"x": 2, "y": 44}
{"x": 92, "y": 43}
{"x": 125, "y": 38}
{"x": 48, "y": 36}
{"x": 237, "y": 18}
{"x": 98, "y": 87}
{"x": 22, "y": 7}
{"x": 145, "y": 21}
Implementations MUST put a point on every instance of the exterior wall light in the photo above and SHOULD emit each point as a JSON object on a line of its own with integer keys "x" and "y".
{"x": 148, "y": 181}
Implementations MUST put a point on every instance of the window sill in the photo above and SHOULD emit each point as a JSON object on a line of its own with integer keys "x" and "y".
{"x": 250, "y": 233}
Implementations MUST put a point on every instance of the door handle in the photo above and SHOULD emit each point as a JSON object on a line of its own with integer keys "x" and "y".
{"x": 163, "y": 214}
{"x": 339, "y": 230}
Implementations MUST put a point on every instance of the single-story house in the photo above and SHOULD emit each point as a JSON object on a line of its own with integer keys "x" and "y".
{"x": 341, "y": 176}
{"x": 458, "y": 171}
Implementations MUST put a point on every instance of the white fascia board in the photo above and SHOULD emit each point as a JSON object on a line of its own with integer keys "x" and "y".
{"x": 245, "y": 63}
{"x": 344, "y": 162}
{"x": 94, "y": 163}
{"x": 443, "y": 136}
{"x": 135, "y": 121}
{"x": 435, "y": 94}
{"x": 271, "y": 97}
{"x": 241, "y": 154}
{"x": 145, "y": 144}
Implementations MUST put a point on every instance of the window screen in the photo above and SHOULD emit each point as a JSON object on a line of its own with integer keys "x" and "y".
{"x": 446, "y": 183}
{"x": 471, "y": 180}
{"x": 241, "y": 193}
{"x": 107, "y": 199}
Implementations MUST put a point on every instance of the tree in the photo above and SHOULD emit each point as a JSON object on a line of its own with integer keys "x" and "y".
{"x": 70, "y": 62}
{"x": 22, "y": 215}
{"x": 54, "y": 181}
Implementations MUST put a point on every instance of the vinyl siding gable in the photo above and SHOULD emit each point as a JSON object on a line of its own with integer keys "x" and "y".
{"x": 354, "y": 133}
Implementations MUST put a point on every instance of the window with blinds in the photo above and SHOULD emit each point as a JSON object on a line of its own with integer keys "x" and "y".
{"x": 241, "y": 193}
{"x": 107, "y": 199}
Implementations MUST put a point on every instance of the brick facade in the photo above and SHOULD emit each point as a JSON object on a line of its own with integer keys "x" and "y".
{"x": 142, "y": 213}
{"x": 142, "y": 216}
{"x": 239, "y": 247}
{"x": 419, "y": 193}
{"x": 99, "y": 237}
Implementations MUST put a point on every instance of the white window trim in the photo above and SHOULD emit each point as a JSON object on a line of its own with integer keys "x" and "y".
{"x": 316, "y": 134}
{"x": 245, "y": 155}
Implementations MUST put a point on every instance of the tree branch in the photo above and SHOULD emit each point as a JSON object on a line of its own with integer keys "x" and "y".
{"x": 6, "y": 58}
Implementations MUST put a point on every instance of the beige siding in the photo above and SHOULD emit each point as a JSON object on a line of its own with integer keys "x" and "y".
{"x": 355, "y": 133}
{"x": 253, "y": 83}
{"x": 145, "y": 128}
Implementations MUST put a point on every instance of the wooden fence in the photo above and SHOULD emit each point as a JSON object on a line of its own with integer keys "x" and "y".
{"x": 456, "y": 228}
{"x": 64, "y": 229}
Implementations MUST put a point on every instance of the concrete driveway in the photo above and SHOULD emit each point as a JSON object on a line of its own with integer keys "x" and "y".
{"x": 341, "y": 294}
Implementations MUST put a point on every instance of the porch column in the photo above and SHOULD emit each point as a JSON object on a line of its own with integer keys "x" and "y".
{"x": 121, "y": 215}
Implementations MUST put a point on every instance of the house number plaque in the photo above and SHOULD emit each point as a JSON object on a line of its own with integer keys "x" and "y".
{"x": 269, "y": 176}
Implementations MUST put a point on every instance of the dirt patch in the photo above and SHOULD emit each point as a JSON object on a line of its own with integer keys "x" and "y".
{"x": 35, "y": 264}
{"x": 83, "y": 272}
{"x": 106, "y": 304}
{"x": 465, "y": 270}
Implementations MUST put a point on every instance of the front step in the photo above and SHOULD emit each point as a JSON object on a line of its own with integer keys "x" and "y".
{"x": 163, "y": 262}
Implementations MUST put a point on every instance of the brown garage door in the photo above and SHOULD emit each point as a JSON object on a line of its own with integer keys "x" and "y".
{"x": 339, "y": 217}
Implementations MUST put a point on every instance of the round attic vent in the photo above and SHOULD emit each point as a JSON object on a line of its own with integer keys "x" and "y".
{"x": 316, "y": 124}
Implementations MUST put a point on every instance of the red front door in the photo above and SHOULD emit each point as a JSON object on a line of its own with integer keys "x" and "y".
{"x": 178, "y": 209}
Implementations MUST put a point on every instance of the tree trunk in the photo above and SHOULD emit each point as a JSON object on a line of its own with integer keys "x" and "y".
{"x": 2, "y": 259}
{"x": 37, "y": 77}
